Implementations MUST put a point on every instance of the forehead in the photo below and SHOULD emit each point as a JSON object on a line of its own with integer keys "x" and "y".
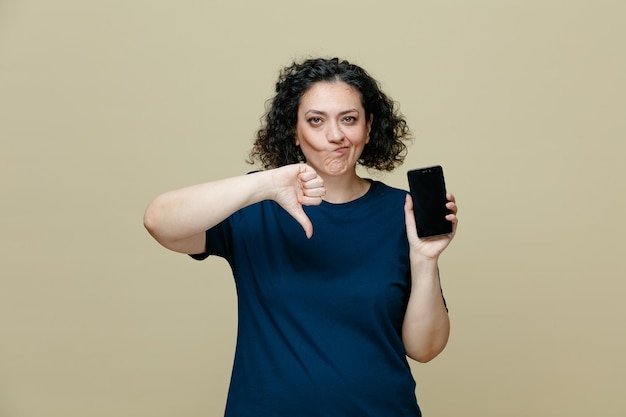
{"x": 330, "y": 94}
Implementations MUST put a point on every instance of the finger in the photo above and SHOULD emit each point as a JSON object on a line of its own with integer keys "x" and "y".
{"x": 408, "y": 214}
{"x": 316, "y": 182}
{"x": 304, "y": 221}
{"x": 452, "y": 218}
{"x": 307, "y": 200}
{"x": 451, "y": 204}
{"x": 314, "y": 192}
{"x": 306, "y": 173}
{"x": 312, "y": 185}
{"x": 408, "y": 203}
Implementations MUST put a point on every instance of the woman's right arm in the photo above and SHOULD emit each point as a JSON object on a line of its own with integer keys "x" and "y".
{"x": 179, "y": 219}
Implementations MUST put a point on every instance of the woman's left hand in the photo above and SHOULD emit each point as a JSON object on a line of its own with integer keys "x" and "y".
{"x": 431, "y": 247}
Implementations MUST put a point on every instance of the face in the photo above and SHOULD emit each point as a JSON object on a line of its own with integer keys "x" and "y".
{"x": 332, "y": 127}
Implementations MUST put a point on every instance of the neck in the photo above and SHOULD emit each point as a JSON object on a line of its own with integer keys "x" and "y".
{"x": 344, "y": 189}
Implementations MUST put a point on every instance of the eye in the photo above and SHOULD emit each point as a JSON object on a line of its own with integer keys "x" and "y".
{"x": 349, "y": 119}
{"x": 314, "y": 120}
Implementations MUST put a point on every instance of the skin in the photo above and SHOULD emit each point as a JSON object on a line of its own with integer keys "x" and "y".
{"x": 332, "y": 130}
{"x": 426, "y": 326}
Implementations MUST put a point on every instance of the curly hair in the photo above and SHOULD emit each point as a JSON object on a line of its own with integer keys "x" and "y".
{"x": 275, "y": 143}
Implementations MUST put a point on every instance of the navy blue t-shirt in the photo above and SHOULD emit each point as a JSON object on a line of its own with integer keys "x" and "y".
{"x": 320, "y": 319}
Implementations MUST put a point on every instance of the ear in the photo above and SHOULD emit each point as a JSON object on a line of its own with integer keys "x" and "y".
{"x": 369, "y": 127}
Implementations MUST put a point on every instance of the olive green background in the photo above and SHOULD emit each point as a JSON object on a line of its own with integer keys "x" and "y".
{"x": 105, "y": 104}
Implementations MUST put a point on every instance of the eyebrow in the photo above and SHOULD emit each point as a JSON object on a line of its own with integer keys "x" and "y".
{"x": 323, "y": 113}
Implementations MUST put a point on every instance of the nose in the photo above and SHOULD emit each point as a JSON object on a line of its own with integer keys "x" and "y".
{"x": 335, "y": 133}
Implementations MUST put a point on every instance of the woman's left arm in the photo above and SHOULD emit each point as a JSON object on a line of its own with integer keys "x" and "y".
{"x": 426, "y": 324}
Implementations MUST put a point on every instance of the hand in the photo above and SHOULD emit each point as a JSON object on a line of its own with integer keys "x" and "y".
{"x": 432, "y": 247}
{"x": 295, "y": 186}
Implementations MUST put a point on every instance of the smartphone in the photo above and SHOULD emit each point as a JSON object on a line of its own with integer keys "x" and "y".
{"x": 428, "y": 190}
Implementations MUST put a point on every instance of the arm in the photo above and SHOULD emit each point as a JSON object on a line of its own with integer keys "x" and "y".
{"x": 179, "y": 219}
{"x": 426, "y": 326}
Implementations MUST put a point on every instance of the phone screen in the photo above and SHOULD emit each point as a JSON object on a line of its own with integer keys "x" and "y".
{"x": 428, "y": 190}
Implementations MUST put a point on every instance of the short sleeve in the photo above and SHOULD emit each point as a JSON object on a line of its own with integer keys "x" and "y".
{"x": 218, "y": 242}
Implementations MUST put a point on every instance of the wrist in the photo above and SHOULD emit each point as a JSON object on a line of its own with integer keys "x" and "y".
{"x": 423, "y": 262}
{"x": 258, "y": 186}
{"x": 421, "y": 257}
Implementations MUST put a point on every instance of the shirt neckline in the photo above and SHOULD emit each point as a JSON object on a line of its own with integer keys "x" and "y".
{"x": 366, "y": 196}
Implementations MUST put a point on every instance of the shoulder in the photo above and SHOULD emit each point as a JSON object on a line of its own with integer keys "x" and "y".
{"x": 382, "y": 190}
{"x": 385, "y": 200}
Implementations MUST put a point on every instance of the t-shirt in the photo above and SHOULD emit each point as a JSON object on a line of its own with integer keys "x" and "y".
{"x": 319, "y": 319}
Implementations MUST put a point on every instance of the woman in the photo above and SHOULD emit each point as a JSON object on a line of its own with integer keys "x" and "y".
{"x": 328, "y": 316}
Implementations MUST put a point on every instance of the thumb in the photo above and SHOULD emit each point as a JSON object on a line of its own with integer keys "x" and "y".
{"x": 303, "y": 220}
{"x": 409, "y": 217}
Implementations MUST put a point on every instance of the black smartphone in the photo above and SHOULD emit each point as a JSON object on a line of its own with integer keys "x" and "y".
{"x": 428, "y": 190}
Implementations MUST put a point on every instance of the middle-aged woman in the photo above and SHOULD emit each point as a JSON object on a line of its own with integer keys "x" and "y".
{"x": 334, "y": 287}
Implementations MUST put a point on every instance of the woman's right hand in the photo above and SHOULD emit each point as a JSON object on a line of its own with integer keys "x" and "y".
{"x": 295, "y": 186}
{"x": 178, "y": 219}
